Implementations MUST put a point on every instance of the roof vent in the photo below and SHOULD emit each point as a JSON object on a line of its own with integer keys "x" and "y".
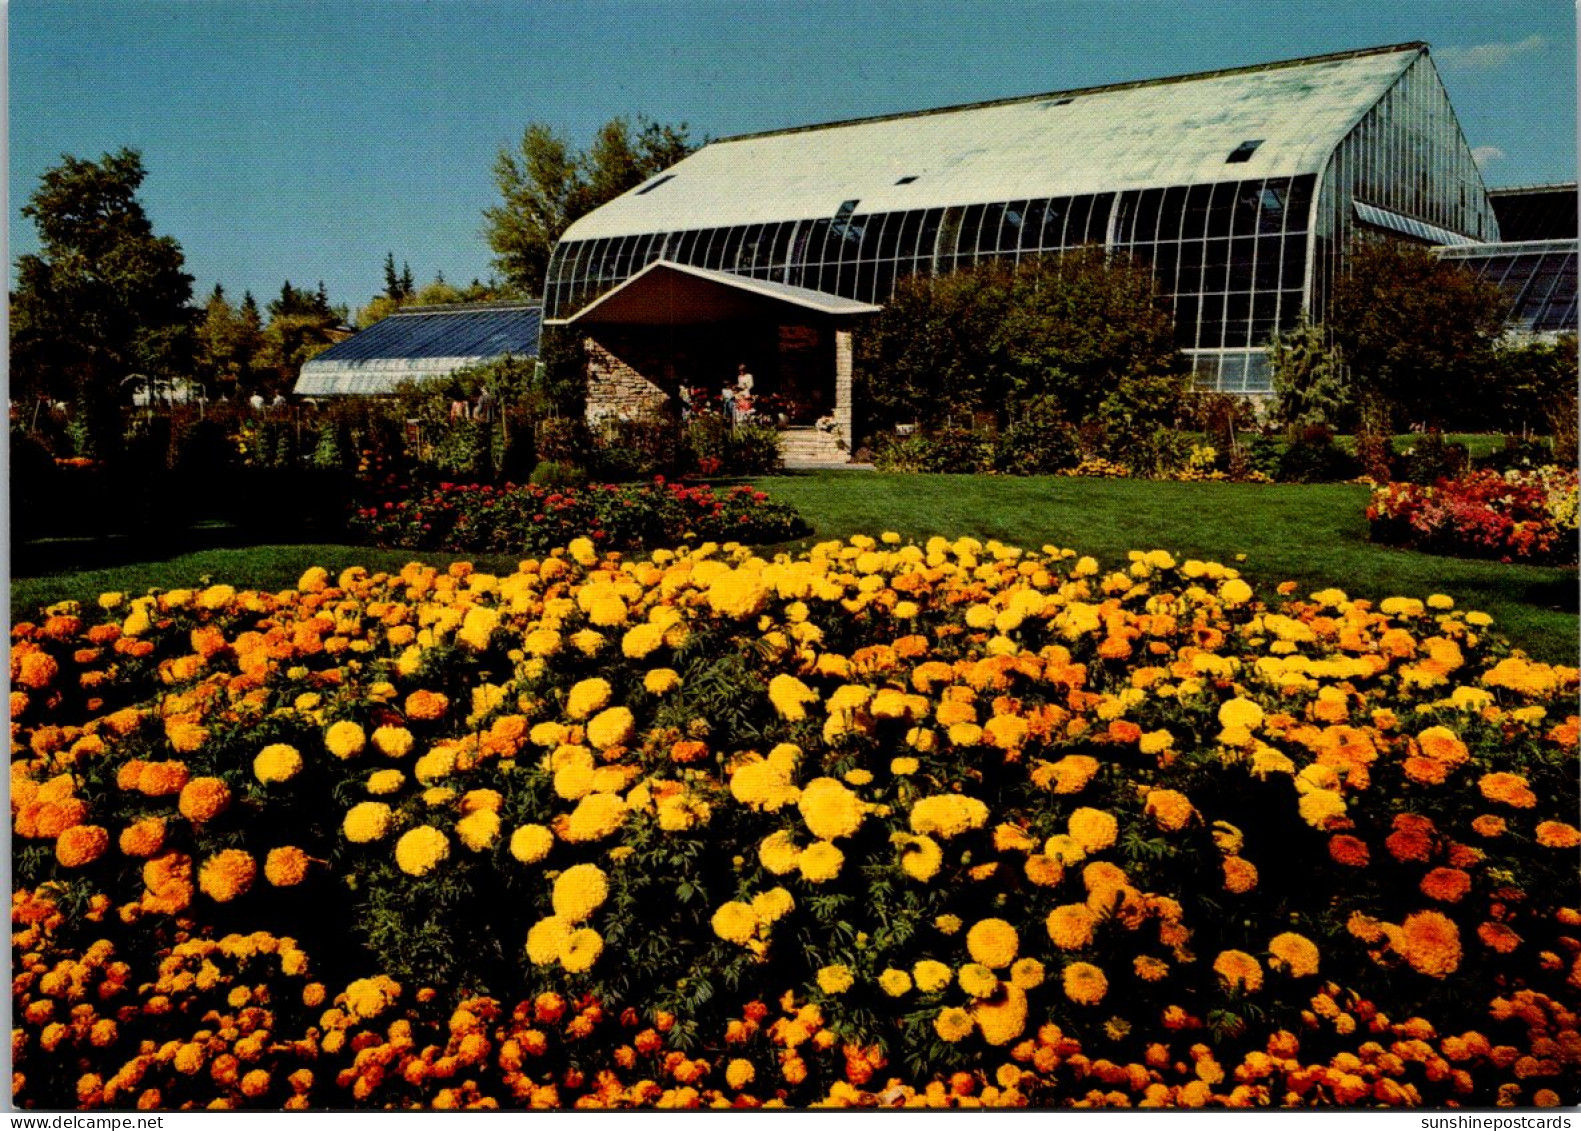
{"x": 647, "y": 188}
{"x": 1050, "y": 103}
{"x": 905, "y": 180}
{"x": 1243, "y": 152}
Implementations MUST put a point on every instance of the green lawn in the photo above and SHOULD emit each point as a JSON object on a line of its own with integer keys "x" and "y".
{"x": 1314, "y": 535}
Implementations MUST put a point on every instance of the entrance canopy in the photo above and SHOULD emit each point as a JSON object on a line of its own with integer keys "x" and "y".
{"x": 666, "y": 293}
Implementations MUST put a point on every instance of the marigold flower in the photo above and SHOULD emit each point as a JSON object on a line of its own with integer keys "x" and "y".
{"x": 420, "y": 850}
{"x": 977, "y": 979}
{"x": 366, "y": 822}
{"x": 286, "y": 866}
{"x": 1084, "y": 983}
{"x": 81, "y": 845}
{"x": 426, "y": 705}
{"x": 595, "y": 817}
{"x": 739, "y": 1073}
{"x": 1498, "y": 937}
{"x": 953, "y": 1024}
{"x": 737, "y": 593}
{"x": 277, "y": 763}
{"x": 1240, "y": 875}
{"x": 932, "y": 976}
{"x": 531, "y": 843}
{"x": 1093, "y": 829}
{"x": 1348, "y": 850}
{"x": 546, "y": 938}
{"x": 947, "y": 815}
{"x": 835, "y": 979}
{"x": 790, "y": 697}
{"x": 778, "y": 853}
{"x": 580, "y": 950}
{"x": 820, "y": 862}
{"x": 1171, "y": 810}
{"x": 1321, "y": 806}
{"x": 1430, "y": 942}
{"x": 227, "y": 875}
{"x": 1240, "y": 713}
{"x": 1239, "y": 971}
{"x": 921, "y": 857}
{"x": 579, "y": 891}
{"x": 392, "y": 742}
{"x": 586, "y": 697}
{"x": 1442, "y": 745}
{"x": 203, "y": 799}
{"x": 479, "y": 830}
{"x": 1071, "y": 926}
{"x": 345, "y": 739}
{"x": 612, "y": 727}
{"x": 143, "y": 838}
{"x": 1557, "y": 834}
{"x": 1507, "y": 789}
{"x": 1003, "y": 1019}
{"x": 735, "y": 922}
{"x": 1447, "y": 885}
{"x": 366, "y": 998}
{"x": 661, "y": 681}
{"x": 830, "y": 809}
{"x": 894, "y": 983}
{"x": 1488, "y": 825}
{"x": 1295, "y": 954}
{"x": 993, "y": 942}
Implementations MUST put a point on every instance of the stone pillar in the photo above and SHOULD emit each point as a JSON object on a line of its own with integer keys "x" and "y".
{"x": 842, "y": 383}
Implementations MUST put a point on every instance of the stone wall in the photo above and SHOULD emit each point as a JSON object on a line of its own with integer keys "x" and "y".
{"x": 626, "y": 377}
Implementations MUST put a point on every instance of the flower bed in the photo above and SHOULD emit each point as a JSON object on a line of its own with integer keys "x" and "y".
{"x": 882, "y": 825}
{"x": 480, "y": 518}
{"x": 1514, "y": 516}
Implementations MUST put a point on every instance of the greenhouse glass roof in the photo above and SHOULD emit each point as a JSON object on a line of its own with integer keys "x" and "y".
{"x": 1275, "y": 120}
{"x": 422, "y": 342}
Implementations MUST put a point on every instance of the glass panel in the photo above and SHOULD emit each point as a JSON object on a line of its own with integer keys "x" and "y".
{"x": 1265, "y": 315}
{"x": 1098, "y": 220}
{"x": 1188, "y": 308}
{"x": 1248, "y": 206}
{"x": 1222, "y": 208}
{"x": 1271, "y": 206}
{"x": 906, "y": 242}
{"x": 1032, "y": 225}
{"x": 971, "y": 226}
{"x": 779, "y": 254}
{"x": 1241, "y": 253}
{"x": 1190, "y": 280}
{"x": 1289, "y": 309}
{"x": 1211, "y": 321}
{"x": 1269, "y": 257}
{"x": 1196, "y": 218}
{"x": 1165, "y": 256}
{"x": 864, "y": 281}
{"x": 1298, "y": 204}
{"x": 1170, "y": 213}
{"x": 1146, "y": 224}
{"x": 1125, "y": 218}
{"x": 1010, "y": 226}
{"x": 682, "y": 252}
{"x": 1293, "y": 273}
{"x": 1076, "y": 227}
{"x": 1215, "y": 265}
{"x": 930, "y": 238}
{"x": 949, "y": 236}
{"x": 889, "y": 236}
{"x": 1054, "y": 218}
{"x": 884, "y": 280}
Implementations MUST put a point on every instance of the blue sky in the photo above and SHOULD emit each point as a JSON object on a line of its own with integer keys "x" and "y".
{"x": 303, "y": 140}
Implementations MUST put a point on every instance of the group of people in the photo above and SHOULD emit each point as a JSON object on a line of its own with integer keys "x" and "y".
{"x": 735, "y": 400}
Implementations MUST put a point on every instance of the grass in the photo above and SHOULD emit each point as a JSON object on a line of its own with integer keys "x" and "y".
{"x": 1313, "y": 535}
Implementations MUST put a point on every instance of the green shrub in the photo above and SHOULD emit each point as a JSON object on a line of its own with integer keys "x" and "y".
{"x": 556, "y": 475}
{"x": 1314, "y": 457}
{"x": 1039, "y": 441}
{"x": 1432, "y": 458}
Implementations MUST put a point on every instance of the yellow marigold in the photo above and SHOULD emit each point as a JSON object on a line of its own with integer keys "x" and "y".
{"x": 345, "y": 739}
{"x": 820, "y": 862}
{"x": 1093, "y": 829}
{"x": 1064, "y": 849}
{"x": 143, "y": 838}
{"x": 531, "y": 843}
{"x": 993, "y": 942}
{"x": 382, "y": 782}
{"x": 595, "y": 817}
{"x": 772, "y": 905}
{"x": 661, "y": 681}
{"x": 586, "y": 697}
{"x": 949, "y": 924}
{"x": 580, "y": 891}
{"x": 479, "y": 830}
{"x": 1240, "y": 713}
{"x": 1170, "y": 809}
{"x": 1235, "y": 592}
{"x": 1430, "y": 942}
{"x": 1507, "y": 789}
{"x": 932, "y": 976}
{"x": 894, "y": 983}
{"x": 277, "y": 762}
{"x": 778, "y": 853}
{"x": 612, "y": 727}
{"x": 366, "y": 822}
{"x": 285, "y": 867}
{"x": 1150, "y": 969}
{"x": 1557, "y": 834}
{"x": 737, "y": 593}
{"x": 1071, "y": 926}
{"x": 835, "y": 979}
{"x": 203, "y": 799}
{"x": 1239, "y": 971}
{"x": 640, "y": 640}
{"x": 546, "y": 938}
{"x": 1295, "y": 954}
{"x": 921, "y": 857}
{"x": 392, "y": 742}
{"x": 366, "y": 998}
{"x": 1084, "y": 983}
{"x": 790, "y": 697}
{"x": 582, "y": 551}
{"x": 81, "y": 845}
{"x": 420, "y": 850}
{"x": 1070, "y": 774}
{"x": 977, "y": 979}
{"x": 1004, "y": 1018}
{"x": 580, "y": 950}
{"x": 947, "y": 815}
{"x": 900, "y": 767}
{"x": 830, "y": 809}
{"x": 426, "y": 705}
{"x": 1442, "y": 745}
{"x": 735, "y": 922}
{"x": 739, "y": 1073}
{"x": 1155, "y": 742}
{"x": 1240, "y": 875}
{"x": 227, "y": 875}
{"x": 953, "y": 1024}
{"x": 1026, "y": 973}
{"x": 1320, "y": 807}
{"x": 541, "y": 642}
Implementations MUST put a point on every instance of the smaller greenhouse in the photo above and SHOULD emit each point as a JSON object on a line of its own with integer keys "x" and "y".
{"x": 420, "y": 343}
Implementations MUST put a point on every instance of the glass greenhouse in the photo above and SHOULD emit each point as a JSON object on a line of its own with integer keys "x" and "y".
{"x": 1239, "y": 188}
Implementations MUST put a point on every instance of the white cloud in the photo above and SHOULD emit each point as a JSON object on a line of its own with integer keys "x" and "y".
{"x": 1485, "y": 56}
{"x": 1484, "y": 154}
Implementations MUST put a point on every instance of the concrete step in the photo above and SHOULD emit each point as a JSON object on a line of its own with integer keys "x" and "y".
{"x": 803, "y": 447}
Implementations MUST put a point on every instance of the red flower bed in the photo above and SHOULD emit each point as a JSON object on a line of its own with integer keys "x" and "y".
{"x": 1516, "y": 516}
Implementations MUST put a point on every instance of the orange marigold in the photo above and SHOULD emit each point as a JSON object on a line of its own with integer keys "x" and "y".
{"x": 286, "y": 866}
{"x": 1557, "y": 834}
{"x": 161, "y": 779}
{"x": 81, "y": 844}
{"x": 426, "y": 705}
{"x": 1240, "y": 875}
{"x": 1442, "y": 745}
{"x": 1488, "y": 825}
{"x": 1447, "y": 885}
{"x": 1085, "y": 983}
{"x": 1296, "y": 954}
{"x": 1498, "y": 937}
{"x": 1239, "y": 971}
{"x": 227, "y": 875}
{"x": 1348, "y": 850}
{"x": 1508, "y": 789}
{"x": 1171, "y": 809}
{"x": 1412, "y": 838}
{"x": 203, "y": 799}
{"x": 1430, "y": 942}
